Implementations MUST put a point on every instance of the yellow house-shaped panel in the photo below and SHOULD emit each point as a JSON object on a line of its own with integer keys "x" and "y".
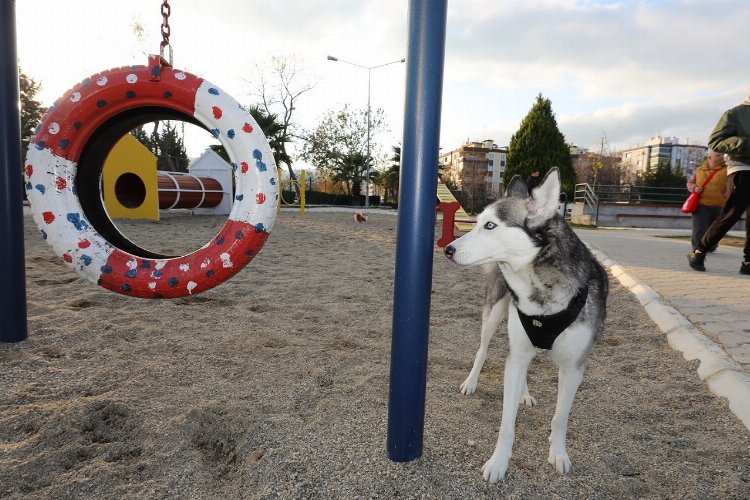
{"x": 130, "y": 181}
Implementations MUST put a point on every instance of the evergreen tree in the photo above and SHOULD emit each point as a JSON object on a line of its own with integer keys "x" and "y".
{"x": 662, "y": 176}
{"x": 539, "y": 145}
{"x": 31, "y": 110}
{"x": 167, "y": 145}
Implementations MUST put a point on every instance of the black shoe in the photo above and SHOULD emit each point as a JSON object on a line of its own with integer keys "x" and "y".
{"x": 696, "y": 261}
{"x": 745, "y": 268}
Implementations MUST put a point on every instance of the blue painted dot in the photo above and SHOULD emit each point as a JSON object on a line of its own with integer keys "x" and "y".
{"x": 261, "y": 166}
{"x": 158, "y": 296}
{"x": 239, "y": 197}
{"x": 259, "y": 227}
{"x": 235, "y": 167}
{"x": 213, "y": 91}
{"x": 219, "y": 240}
{"x": 167, "y": 95}
{"x": 239, "y": 235}
{"x": 173, "y": 282}
{"x": 44, "y": 234}
{"x": 273, "y": 181}
{"x": 64, "y": 143}
{"x": 131, "y": 273}
{"x": 29, "y": 186}
{"x": 106, "y": 269}
{"x": 216, "y": 132}
{"x": 145, "y": 265}
{"x": 125, "y": 287}
{"x": 75, "y": 219}
{"x": 209, "y": 273}
{"x": 77, "y": 125}
{"x": 157, "y": 273}
{"x": 129, "y": 94}
{"x": 86, "y": 259}
{"x": 40, "y": 188}
{"x": 39, "y": 146}
{"x": 101, "y": 103}
{"x": 230, "y": 133}
{"x": 257, "y": 154}
{"x": 155, "y": 71}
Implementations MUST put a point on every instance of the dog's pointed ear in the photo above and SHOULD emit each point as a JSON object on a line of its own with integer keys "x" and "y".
{"x": 517, "y": 188}
{"x": 545, "y": 197}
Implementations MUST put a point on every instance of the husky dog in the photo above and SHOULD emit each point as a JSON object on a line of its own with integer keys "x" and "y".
{"x": 555, "y": 293}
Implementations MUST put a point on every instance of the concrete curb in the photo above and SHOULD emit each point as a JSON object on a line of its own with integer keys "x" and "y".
{"x": 723, "y": 376}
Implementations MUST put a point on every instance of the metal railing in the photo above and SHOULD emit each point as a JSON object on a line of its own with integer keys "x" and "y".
{"x": 585, "y": 194}
{"x": 628, "y": 193}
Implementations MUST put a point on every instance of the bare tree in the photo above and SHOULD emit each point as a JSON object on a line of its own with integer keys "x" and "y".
{"x": 279, "y": 87}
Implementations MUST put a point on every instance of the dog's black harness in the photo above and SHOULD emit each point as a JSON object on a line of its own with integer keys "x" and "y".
{"x": 544, "y": 330}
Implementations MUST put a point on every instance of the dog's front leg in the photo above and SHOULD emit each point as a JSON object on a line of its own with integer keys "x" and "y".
{"x": 516, "y": 367}
{"x": 491, "y": 319}
{"x": 569, "y": 378}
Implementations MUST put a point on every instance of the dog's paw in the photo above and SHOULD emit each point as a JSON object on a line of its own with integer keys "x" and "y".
{"x": 528, "y": 400}
{"x": 559, "y": 460}
{"x": 469, "y": 386}
{"x": 494, "y": 469}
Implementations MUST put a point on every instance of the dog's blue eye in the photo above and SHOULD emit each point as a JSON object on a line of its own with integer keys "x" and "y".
{"x": 490, "y": 225}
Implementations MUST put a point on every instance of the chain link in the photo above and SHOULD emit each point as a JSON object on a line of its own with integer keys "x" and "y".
{"x": 166, "y": 11}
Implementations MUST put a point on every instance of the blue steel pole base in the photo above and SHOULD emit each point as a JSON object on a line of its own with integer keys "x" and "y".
{"x": 13, "y": 326}
{"x": 415, "y": 238}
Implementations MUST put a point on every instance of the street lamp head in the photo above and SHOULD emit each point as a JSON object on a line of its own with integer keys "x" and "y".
{"x": 331, "y": 58}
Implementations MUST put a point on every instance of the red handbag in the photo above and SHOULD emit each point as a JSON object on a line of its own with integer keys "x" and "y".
{"x": 691, "y": 204}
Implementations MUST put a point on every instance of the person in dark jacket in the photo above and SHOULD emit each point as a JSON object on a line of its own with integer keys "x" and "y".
{"x": 731, "y": 136}
{"x": 532, "y": 180}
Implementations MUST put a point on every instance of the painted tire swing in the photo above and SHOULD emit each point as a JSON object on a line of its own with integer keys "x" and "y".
{"x": 63, "y": 171}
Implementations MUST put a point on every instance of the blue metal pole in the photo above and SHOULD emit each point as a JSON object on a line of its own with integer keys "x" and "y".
{"x": 415, "y": 241}
{"x": 13, "y": 277}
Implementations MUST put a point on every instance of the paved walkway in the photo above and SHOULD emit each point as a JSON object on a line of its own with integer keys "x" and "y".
{"x": 706, "y": 315}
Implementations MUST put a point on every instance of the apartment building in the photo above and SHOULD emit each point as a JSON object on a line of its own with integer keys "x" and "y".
{"x": 664, "y": 149}
{"x": 476, "y": 166}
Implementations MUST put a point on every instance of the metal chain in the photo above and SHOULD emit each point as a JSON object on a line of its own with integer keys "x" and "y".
{"x": 166, "y": 11}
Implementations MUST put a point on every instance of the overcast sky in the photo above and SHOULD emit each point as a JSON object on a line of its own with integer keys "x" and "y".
{"x": 624, "y": 70}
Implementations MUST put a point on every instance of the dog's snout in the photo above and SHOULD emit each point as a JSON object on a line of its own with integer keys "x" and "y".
{"x": 449, "y": 251}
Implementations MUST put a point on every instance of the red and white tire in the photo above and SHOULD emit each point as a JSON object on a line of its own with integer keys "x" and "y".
{"x": 55, "y": 152}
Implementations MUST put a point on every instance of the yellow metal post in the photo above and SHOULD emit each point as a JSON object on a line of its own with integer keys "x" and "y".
{"x": 302, "y": 192}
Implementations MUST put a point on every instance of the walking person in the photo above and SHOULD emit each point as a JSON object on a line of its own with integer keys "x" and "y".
{"x": 712, "y": 198}
{"x": 532, "y": 180}
{"x": 731, "y": 136}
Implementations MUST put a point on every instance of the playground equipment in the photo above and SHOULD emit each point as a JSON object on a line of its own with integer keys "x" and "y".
{"x": 416, "y": 218}
{"x": 283, "y": 202}
{"x": 134, "y": 189}
{"x": 454, "y": 216}
{"x": 416, "y": 228}
{"x": 76, "y": 136}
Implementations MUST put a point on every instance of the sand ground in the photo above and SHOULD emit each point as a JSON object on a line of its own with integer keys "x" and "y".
{"x": 275, "y": 385}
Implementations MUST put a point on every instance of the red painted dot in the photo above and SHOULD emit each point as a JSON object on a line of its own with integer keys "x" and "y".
{"x": 247, "y": 128}
{"x": 84, "y": 244}
{"x": 67, "y": 258}
{"x": 244, "y": 166}
{"x": 217, "y": 112}
{"x": 29, "y": 170}
{"x": 61, "y": 183}
{"x": 260, "y": 198}
{"x": 48, "y": 217}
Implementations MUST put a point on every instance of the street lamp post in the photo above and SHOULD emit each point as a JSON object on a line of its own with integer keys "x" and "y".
{"x": 369, "y": 70}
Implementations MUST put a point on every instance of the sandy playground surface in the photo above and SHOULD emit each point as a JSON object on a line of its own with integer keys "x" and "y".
{"x": 275, "y": 385}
